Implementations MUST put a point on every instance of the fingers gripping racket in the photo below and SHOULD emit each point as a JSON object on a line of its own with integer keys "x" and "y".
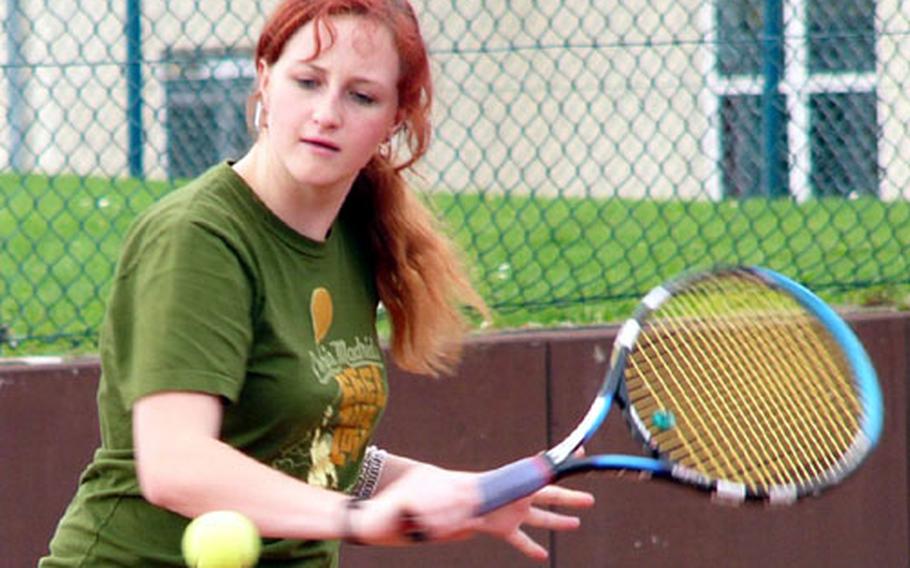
{"x": 738, "y": 381}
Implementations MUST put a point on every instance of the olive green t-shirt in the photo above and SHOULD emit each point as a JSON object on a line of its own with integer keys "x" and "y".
{"x": 215, "y": 294}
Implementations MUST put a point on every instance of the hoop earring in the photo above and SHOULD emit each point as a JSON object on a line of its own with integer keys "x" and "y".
{"x": 257, "y": 115}
{"x": 385, "y": 150}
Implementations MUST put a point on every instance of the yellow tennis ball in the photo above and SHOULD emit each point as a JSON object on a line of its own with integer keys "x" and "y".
{"x": 221, "y": 539}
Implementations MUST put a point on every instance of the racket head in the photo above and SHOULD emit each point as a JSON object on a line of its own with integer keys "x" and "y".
{"x": 742, "y": 382}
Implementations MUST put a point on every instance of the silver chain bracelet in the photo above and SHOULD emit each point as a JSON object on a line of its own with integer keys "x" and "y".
{"x": 370, "y": 472}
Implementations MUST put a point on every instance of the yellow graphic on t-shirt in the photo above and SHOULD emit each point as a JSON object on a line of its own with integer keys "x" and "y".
{"x": 363, "y": 396}
{"x": 322, "y": 471}
{"x": 319, "y": 454}
{"x": 321, "y": 313}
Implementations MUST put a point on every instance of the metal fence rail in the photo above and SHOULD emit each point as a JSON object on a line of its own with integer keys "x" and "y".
{"x": 584, "y": 149}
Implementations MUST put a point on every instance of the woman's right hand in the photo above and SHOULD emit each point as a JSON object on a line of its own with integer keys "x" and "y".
{"x": 439, "y": 505}
{"x": 433, "y": 503}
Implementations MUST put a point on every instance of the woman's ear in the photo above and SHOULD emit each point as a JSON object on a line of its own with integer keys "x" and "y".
{"x": 263, "y": 71}
{"x": 262, "y": 104}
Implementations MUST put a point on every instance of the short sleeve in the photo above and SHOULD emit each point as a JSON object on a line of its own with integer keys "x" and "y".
{"x": 179, "y": 317}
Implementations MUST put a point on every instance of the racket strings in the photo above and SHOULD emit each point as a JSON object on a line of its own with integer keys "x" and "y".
{"x": 661, "y": 365}
{"x": 808, "y": 449}
{"x": 829, "y": 406}
{"x": 773, "y": 423}
{"x": 804, "y": 440}
{"x": 664, "y": 364}
{"x": 786, "y": 394}
{"x": 774, "y": 405}
{"x": 816, "y": 377}
{"x": 727, "y": 446}
{"x": 718, "y": 397}
{"x": 725, "y": 404}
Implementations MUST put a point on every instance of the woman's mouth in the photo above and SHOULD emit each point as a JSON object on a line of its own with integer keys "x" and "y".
{"x": 322, "y": 144}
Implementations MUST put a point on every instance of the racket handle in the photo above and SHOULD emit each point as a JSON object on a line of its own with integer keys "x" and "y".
{"x": 513, "y": 481}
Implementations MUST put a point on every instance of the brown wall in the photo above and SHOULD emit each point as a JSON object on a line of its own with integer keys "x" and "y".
{"x": 515, "y": 393}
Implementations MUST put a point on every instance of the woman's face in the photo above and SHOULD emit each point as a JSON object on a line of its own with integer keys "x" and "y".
{"x": 326, "y": 116}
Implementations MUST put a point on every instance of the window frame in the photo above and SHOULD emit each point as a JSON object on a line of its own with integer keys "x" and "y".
{"x": 219, "y": 82}
{"x": 798, "y": 85}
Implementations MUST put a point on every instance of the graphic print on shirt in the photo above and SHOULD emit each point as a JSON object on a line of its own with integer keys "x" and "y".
{"x": 355, "y": 365}
{"x": 321, "y": 313}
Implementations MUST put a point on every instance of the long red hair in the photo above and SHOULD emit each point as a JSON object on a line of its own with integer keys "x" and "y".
{"x": 419, "y": 276}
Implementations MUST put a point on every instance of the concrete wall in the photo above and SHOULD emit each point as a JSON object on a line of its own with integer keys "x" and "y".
{"x": 514, "y": 394}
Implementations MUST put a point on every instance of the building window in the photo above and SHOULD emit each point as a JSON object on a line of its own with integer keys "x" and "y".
{"x": 826, "y": 98}
{"x": 206, "y": 96}
{"x": 742, "y": 150}
{"x": 739, "y": 27}
{"x": 841, "y": 36}
{"x": 844, "y": 144}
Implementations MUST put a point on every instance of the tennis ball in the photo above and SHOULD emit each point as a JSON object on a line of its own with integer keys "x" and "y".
{"x": 221, "y": 539}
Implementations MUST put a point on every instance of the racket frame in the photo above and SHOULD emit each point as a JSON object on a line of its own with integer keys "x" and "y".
{"x": 523, "y": 477}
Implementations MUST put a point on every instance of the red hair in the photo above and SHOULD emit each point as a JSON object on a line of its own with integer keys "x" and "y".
{"x": 419, "y": 276}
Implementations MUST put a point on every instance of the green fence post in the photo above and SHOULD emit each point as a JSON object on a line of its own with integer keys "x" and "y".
{"x": 773, "y": 120}
{"x": 17, "y": 82}
{"x": 133, "y": 30}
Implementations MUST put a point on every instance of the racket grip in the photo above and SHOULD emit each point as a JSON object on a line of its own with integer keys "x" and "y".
{"x": 512, "y": 482}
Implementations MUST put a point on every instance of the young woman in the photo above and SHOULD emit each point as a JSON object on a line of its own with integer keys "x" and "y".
{"x": 240, "y": 364}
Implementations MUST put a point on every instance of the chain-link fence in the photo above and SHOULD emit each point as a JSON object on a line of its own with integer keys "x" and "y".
{"x": 584, "y": 149}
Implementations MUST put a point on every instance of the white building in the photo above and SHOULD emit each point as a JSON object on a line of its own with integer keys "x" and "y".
{"x": 630, "y": 98}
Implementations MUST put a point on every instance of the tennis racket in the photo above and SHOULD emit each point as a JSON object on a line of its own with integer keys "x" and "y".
{"x": 738, "y": 381}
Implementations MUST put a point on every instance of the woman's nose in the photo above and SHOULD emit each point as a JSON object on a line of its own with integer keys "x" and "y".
{"x": 327, "y": 111}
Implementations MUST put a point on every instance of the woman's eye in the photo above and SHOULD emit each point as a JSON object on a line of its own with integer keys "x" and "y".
{"x": 308, "y": 83}
{"x": 363, "y": 98}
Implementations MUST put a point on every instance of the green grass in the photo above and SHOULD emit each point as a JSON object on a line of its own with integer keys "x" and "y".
{"x": 538, "y": 261}
{"x": 59, "y": 239}
{"x": 552, "y": 261}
